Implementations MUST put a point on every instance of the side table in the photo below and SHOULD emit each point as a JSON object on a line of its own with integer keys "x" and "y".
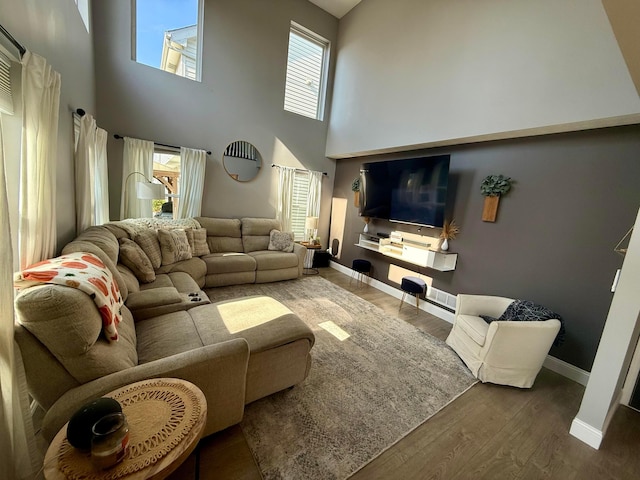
{"x": 166, "y": 418}
{"x": 308, "y": 259}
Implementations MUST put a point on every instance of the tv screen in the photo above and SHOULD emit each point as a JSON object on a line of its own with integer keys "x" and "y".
{"x": 412, "y": 191}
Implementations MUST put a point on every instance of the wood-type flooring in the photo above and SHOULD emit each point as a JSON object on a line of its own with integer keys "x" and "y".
{"x": 489, "y": 432}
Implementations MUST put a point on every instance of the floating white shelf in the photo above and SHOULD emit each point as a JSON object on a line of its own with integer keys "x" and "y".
{"x": 412, "y": 248}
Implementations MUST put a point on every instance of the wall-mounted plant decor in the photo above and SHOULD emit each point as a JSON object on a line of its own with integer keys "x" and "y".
{"x": 493, "y": 187}
{"x": 355, "y": 188}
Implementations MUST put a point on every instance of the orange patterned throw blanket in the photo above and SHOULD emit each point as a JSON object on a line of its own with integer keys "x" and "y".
{"x": 87, "y": 273}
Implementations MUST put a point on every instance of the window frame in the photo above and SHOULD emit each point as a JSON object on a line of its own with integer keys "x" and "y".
{"x": 325, "y": 44}
{"x": 199, "y": 40}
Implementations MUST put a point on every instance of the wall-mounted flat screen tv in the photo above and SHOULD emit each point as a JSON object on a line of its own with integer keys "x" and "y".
{"x": 412, "y": 190}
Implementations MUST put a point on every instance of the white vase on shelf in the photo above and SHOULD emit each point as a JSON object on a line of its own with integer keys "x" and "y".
{"x": 366, "y": 228}
{"x": 445, "y": 245}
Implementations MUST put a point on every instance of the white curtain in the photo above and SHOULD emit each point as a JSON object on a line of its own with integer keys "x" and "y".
{"x": 18, "y": 457}
{"x": 315, "y": 194}
{"x": 137, "y": 158}
{"x": 285, "y": 197}
{"x": 192, "y": 167}
{"x": 92, "y": 197}
{"x": 40, "y": 109}
{"x": 102, "y": 179}
{"x": 85, "y": 173}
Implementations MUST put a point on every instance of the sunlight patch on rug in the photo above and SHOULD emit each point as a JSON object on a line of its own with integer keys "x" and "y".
{"x": 363, "y": 393}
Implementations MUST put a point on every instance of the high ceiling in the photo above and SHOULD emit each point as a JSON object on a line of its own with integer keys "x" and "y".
{"x": 337, "y": 8}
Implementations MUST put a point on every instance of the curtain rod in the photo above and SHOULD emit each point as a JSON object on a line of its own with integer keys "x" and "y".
{"x": 118, "y": 137}
{"x": 15, "y": 43}
{"x": 296, "y": 169}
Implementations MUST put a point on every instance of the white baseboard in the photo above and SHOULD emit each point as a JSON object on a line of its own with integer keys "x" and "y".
{"x": 397, "y": 293}
{"x": 567, "y": 370}
{"x": 552, "y": 363}
{"x": 586, "y": 433}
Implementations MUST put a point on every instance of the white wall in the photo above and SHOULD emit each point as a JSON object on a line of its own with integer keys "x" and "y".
{"x": 54, "y": 30}
{"x": 241, "y": 97}
{"x": 423, "y": 72}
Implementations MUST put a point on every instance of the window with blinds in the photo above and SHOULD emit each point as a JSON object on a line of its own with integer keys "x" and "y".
{"x": 6, "y": 99}
{"x": 299, "y": 205}
{"x": 306, "y": 73}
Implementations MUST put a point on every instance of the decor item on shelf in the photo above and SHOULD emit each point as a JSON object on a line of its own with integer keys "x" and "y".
{"x": 366, "y": 224}
{"x": 493, "y": 187}
{"x": 623, "y": 244}
{"x": 449, "y": 232}
{"x": 311, "y": 226}
{"x": 355, "y": 188}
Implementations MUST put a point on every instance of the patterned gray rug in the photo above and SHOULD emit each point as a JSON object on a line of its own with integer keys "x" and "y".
{"x": 363, "y": 394}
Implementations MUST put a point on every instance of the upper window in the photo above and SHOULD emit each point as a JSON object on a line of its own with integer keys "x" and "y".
{"x": 306, "y": 73}
{"x": 168, "y": 35}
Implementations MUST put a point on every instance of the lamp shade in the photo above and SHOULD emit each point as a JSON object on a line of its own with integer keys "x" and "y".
{"x": 150, "y": 191}
{"x": 311, "y": 223}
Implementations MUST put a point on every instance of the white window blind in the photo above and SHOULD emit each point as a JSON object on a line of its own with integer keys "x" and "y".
{"x": 299, "y": 205}
{"x": 306, "y": 73}
{"x": 6, "y": 99}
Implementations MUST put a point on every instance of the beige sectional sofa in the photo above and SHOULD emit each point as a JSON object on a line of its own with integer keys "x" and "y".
{"x": 236, "y": 351}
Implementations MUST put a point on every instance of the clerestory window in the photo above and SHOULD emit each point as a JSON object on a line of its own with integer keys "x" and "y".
{"x": 307, "y": 63}
{"x": 168, "y": 35}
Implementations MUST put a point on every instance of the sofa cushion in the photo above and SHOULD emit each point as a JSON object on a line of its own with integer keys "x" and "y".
{"x": 153, "y": 297}
{"x": 79, "y": 348}
{"x": 174, "y": 246}
{"x": 148, "y": 241}
{"x": 166, "y": 335}
{"x": 181, "y": 281}
{"x": 274, "y": 260}
{"x": 475, "y": 327}
{"x": 255, "y": 233}
{"x": 197, "y": 241}
{"x": 104, "y": 245}
{"x": 133, "y": 257}
{"x": 195, "y": 267}
{"x": 282, "y": 241}
{"x": 130, "y": 280}
{"x": 229, "y": 263}
{"x": 264, "y": 322}
{"x": 223, "y": 234}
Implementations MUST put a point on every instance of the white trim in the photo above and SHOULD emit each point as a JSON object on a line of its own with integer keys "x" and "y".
{"x": 552, "y": 363}
{"x": 586, "y": 433}
{"x": 567, "y": 370}
{"x": 428, "y": 307}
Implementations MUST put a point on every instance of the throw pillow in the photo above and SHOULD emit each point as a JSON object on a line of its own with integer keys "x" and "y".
{"x": 174, "y": 246}
{"x": 197, "y": 238}
{"x": 282, "y": 241}
{"x": 133, "y": 257}
{"x": 148, "y": 241}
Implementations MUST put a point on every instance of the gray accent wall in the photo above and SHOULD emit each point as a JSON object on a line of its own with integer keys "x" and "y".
{"x": 575, "y": 195}
{"x": 54, "y": 30}
{"x": 241, "y": 97}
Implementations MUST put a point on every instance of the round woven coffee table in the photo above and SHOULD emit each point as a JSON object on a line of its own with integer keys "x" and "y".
{"x": 166, "y": 418}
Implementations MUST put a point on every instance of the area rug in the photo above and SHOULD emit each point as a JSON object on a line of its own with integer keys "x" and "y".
{"x": 363, "y": 393}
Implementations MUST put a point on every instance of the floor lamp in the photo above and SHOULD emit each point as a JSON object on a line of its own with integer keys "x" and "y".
{"x": 146, "y": 190}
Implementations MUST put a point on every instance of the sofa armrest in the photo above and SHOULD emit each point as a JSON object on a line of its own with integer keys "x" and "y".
{"x": 301, "y": 252}
{"x": 153, "y": 297}
{"x": 219, "y": 370}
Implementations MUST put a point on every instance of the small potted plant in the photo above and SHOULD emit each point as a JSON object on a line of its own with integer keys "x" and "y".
{"x": 355, "y": 188}
{"x": 449, "y": 232}
{"x": 493, "y": 187}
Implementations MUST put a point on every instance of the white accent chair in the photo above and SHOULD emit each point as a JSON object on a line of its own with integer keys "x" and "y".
{"x": 503, "y": 352}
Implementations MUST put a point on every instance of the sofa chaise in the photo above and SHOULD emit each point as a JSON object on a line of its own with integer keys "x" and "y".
{"x": 236, "y": 351}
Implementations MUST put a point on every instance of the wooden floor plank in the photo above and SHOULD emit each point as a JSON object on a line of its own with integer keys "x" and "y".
{"x": 490, "y": 431}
